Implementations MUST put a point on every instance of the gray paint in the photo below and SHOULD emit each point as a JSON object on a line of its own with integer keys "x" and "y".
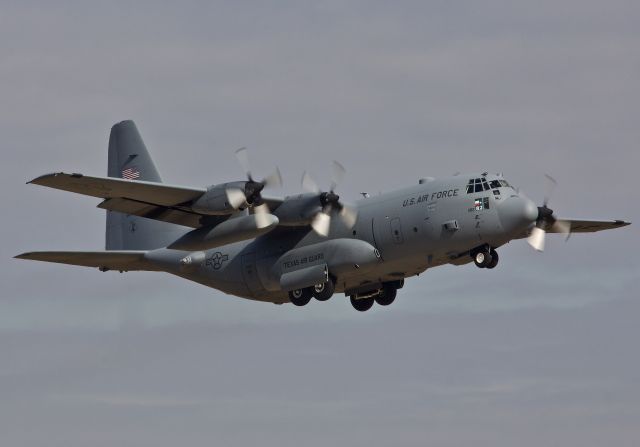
{"x": 124, "y": 231}
{"x": 538, "y": 351}
{"x": 396, "y": 235}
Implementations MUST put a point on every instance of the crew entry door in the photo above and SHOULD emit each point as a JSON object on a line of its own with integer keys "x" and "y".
{"x": 388, "y": 235}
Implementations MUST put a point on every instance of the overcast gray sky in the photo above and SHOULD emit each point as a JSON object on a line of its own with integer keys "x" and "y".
{"x": 540, "y": 351}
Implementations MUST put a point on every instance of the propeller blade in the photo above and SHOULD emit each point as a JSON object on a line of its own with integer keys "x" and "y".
{"x": 321, "y": 223}
{"x": 261, "y": 212}
{"x": 536, "y": 239}
{"x": 273, "y": 180}
{"x": 349, "y": 215}
{"x": 337, "y": 175}
{"x": 550, "y": 186}
{"x": 562, "y": 227}
{"x": 236, "y": 197}
{"x": 308, "y": 184}
{"x": 242, "y": 155}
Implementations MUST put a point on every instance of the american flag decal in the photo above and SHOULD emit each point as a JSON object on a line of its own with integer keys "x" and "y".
{"x": 131, "y": 173}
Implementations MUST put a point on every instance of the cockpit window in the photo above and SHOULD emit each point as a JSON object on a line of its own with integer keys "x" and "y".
{"x": 477, "y": 185}
{"x": 481, "y": 184}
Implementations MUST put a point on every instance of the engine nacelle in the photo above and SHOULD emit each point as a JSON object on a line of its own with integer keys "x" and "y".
{"x": 298, "y": 210}
{"x": 214, "y": 202}
{"x": 232, "y": 230}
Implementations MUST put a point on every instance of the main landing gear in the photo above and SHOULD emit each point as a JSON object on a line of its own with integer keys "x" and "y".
{"x": 383, "y": 296}
{"x": 321, "y": 292}
{"x": 486, "y": 257}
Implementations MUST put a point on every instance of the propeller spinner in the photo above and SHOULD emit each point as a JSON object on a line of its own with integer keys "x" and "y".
{"x": 546, "y": 220}
{"x": 250, "y": 195}
{"x": 330, "y": 202}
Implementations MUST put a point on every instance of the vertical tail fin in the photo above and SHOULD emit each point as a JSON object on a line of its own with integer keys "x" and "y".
{"x": 129, "y": 159}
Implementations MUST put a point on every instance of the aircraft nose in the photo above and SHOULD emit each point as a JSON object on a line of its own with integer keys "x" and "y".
{"x": 517, "y": 213}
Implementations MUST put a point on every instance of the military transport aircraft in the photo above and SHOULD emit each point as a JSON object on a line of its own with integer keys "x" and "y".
{"x": 230, "y": 237}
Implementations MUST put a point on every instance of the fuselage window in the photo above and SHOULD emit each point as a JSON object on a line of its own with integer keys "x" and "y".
{"x": 494, "y": 184}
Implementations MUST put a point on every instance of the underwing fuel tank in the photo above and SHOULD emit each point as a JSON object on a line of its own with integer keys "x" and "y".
{"x": 227, "y": 232}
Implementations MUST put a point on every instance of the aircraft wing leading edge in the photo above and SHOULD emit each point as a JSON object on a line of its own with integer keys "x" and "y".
{"x": 111, "y": 187}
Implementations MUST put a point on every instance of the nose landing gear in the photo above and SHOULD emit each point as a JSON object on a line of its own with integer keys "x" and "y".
{"x": 486, "y": 258}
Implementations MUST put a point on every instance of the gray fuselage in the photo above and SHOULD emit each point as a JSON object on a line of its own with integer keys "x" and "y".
{"x": 397, "y": 235}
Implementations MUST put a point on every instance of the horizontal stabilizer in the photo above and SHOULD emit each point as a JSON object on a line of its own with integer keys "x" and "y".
{"x": 104, "y": 260}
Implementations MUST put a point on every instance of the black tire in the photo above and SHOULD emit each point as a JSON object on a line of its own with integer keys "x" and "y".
{"x": 482, "y": 259}
{"x": 387, "y": 295}
{"x": 494, "y": 259}
{"x": 322, "y": 292}
{"x": 300, "y": 297}
{"x": 362, "y": 305}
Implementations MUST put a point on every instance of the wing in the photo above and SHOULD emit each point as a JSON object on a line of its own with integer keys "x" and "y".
{"x": 158, "y": 201}
{"x": 104, "y": 260}
{"x": 110, "y": 188}
{"x": 589, "y": 226}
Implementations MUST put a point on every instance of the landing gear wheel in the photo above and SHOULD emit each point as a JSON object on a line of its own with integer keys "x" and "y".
{"x": 324, "y": 291}
{"x": 482, "y": 259}
{"x": 494, "y": 259}
{"x": 300, "y": 297}
{"x": 362, "y": 305}
{"x": 387, "y": 295}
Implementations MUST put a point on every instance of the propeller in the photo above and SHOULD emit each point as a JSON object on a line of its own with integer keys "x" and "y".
{"x": 546, "y": 220}
{"x": 250, "y": 194}
{"x": 330, "y": 201}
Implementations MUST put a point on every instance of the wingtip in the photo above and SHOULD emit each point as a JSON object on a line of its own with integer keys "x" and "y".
{"x": 38, "y": 180}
